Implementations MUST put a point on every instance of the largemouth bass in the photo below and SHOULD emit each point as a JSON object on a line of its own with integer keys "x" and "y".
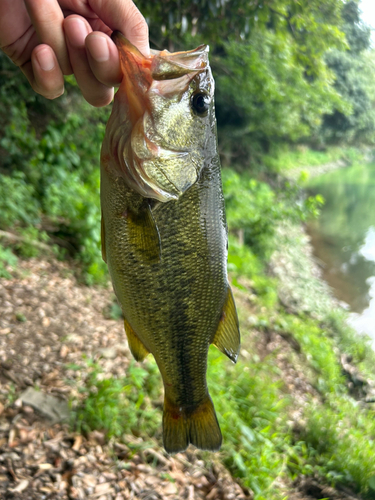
{"x": 164, "y": 233}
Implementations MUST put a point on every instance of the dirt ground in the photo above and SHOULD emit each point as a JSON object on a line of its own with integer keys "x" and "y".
{"x": 47, "y": 322}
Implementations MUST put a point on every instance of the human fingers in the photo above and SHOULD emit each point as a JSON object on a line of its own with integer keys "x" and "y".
{"x": 125, "y": 17}
{"x": 96, "y": 93}
{"x": 104, "y": 59}
{"x": 47, "y": 18}
{"x": 14, "y": 22}
{"x": 44, "y": 73}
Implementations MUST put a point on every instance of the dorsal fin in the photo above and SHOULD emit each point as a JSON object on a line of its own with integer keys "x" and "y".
{"x": 227, "y": 336}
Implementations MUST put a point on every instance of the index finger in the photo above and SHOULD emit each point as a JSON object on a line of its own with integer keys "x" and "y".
{"x": 47, "y": 19}
{"x": 125, "y": 17}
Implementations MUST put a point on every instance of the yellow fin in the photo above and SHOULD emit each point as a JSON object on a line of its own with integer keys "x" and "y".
{"x": 104, "y": 256}
{"x": 197, "y": 425}
{"x": 136, "y": 347}
{"x": 227, "y": 336}
{"x": 144, "y": 235}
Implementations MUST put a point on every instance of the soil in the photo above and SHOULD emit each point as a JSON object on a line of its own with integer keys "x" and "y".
{"x": 48, "y": 322}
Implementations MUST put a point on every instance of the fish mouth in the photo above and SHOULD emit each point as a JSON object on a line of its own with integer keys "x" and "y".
{"x": 167, "y": 74}
{"x": 137, "y": 76}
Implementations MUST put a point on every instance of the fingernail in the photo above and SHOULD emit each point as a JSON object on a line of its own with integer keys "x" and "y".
{"x": 77, "y": 33}
{"x": 45, "y": 59}
{"x": 98, "y": 48}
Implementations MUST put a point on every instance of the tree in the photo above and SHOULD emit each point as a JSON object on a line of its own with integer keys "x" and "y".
{"x": 268, "y": 57}
{"x": 355, "y": 74}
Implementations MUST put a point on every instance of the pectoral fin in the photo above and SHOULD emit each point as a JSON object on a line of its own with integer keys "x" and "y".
{"x": 144, "y": 235}
{"x": 227, "y": 336}
{"x": 136, "y": 347}
{"x": 104, "y": 256}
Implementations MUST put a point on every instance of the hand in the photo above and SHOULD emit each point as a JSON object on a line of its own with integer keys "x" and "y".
{"x": 47, "y": 39}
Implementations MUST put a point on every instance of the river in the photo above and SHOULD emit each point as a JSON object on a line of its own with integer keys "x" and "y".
{"x": 343, "y": 239}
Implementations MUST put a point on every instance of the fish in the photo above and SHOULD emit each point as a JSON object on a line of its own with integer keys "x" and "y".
{"x": 164, "y": 231}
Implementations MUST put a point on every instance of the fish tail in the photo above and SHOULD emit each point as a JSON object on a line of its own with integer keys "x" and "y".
{"x": 198, "y": 426}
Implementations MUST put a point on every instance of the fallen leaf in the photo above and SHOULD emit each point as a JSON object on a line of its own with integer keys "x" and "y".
{"x": 20, "y": 487}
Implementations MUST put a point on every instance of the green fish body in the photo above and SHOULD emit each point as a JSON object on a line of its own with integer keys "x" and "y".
{"x": 164, "y": 234}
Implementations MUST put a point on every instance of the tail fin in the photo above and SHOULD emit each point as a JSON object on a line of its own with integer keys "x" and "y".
{"x": 198, "y": 426}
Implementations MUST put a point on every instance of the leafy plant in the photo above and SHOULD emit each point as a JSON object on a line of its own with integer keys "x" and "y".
{"x": 7, "y": 259}
{"x": 119, "y": 405}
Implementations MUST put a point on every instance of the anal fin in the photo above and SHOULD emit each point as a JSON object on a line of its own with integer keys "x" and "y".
{"x": 136, "y": 347}
{"x": 227, "y": 336}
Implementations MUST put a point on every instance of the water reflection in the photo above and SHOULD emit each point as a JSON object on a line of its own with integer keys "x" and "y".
{"x": 344, "y": 239}
{"x": 365, "y": 321}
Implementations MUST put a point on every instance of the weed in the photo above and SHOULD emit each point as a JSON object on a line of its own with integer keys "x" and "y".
{"x": 7, "y": 260}
{"x": 119, "y": 405}
{"x": 113, "y": 310}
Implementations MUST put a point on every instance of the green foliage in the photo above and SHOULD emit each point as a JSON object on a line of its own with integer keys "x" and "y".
{"x": 255, "y": 208}
{"x": 243, "y": 262}
{"x": 357, "y": 347}
{"x": 7, "y": 259}
{"x": 17, "y": 202}
{"x": 49, "y": 173}
{"x": 273, "y": 83}
{"x": 27, "y": 247}
{"x": 263, "y": 96}
{"x": 317, "y": 346}
{"x": 119, "y": 405}
{"x": 355, "y": 72}
{"x": 248, "y": 404}
{"x": 113, "y": 310}
{"x": 340, "y": 446}
{"x": 286, "y": 158}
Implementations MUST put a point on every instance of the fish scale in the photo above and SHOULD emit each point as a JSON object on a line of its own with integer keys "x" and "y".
{"x": 167, "y": 257}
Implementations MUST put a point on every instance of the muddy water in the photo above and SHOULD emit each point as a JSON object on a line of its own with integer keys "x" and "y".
{"x": 344, "y": 239}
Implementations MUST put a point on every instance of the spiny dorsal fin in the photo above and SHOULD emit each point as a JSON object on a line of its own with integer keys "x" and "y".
{"x": 144, "y": 235}
{"x": 136, "y": 347}
{"x": 227, "y": 336}
{"x": 104, "y": 256}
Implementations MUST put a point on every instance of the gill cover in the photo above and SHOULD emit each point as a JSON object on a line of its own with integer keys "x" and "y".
{"x": 156, "y": 140}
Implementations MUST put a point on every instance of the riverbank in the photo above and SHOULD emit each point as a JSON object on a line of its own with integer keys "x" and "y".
{"x": 302, "y": 162}
{"x": 297, "y": 369}
{"x": 296, "y": 411}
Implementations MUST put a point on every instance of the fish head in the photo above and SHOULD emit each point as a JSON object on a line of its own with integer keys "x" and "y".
{"x": 163, "y": 126}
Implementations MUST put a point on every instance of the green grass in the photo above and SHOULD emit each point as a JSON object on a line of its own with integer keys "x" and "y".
{"x": 251, "y": 410}
{"x": 118, "y": 406}
{"x": 253, "y": 405}
{"x": 7, "y": 261}
{"x": 340, "y": 443}
{"x": 334, "y": 436}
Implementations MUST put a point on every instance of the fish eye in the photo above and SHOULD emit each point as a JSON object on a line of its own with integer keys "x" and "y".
{"x": 200, "y": 103}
